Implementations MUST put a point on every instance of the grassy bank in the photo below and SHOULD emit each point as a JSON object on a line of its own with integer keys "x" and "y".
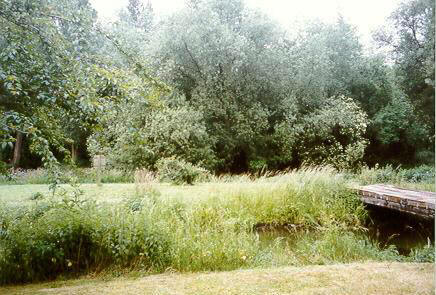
{"x": 356, "y": 278}
{"x": 207, "y": 227}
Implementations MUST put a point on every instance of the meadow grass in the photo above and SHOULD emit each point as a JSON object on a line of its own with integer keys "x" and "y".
{"x": 82, "y": 175}
{"x": 207, "y": 227}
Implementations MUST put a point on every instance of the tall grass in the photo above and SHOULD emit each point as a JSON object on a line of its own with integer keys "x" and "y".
{"x": 69, "y": 235}
{"x": 419, "y": 178}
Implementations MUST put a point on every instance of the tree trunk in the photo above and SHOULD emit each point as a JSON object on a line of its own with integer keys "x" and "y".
{"x": 17, "y": 150}
{"x": 73, "y": 153}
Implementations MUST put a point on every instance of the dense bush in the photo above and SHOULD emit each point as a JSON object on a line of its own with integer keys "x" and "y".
{"x": 389, "y": 174}
{"x": 144, "y": 136}
{"x": 331, "y": 134}
{"x": 178, "y": 171}
{"x": 45, "y": 241}
{"x": 422, "y": 173}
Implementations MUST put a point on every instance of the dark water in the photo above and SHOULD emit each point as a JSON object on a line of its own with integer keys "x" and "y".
{"x": 405, "y": 231}
{"x": 269, "y": 233}
{"x": 385, "y": 227}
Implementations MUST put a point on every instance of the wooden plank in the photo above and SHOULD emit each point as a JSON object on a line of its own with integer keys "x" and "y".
{"x": 411, "y": 201}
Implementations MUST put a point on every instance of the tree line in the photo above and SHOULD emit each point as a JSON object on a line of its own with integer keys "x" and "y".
{"x": 215, "y": 84}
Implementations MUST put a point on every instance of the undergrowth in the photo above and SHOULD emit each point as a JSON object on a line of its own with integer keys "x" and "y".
{"x": 420, "y": 178}
{"x": 67, "y": 234}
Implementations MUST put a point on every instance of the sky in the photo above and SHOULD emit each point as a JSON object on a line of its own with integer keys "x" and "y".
{"x": 366, "y": 15}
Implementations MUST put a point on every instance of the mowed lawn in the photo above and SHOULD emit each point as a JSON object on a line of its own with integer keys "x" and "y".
{"x": 356, "y": 278}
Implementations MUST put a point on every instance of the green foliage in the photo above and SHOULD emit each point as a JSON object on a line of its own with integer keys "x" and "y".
{"x": 257, "y": 166}
{"x": 215, "y": 65}
{"x": 252, "y": 91}
{"x": 149, "y": 135}
{"x": 388, "y": 174}
{"x": 424, "y": 254}
{"x": 55, "y": 80}
{"x": 3, "y": 170}
{"x": 178, "y": 171}
{"x": 409, "y": 36}
{"x": 332, "y": 134}
{"x": 422, "y": 173}
{"x": 334, "y": 245}
{"x": 36, "y": 196}
{"x": 398, "y": 120}
{"x": 71, "y": 235}
{"x": 44, "y": 61}
{"x": 243, "y": 100}
{"x": 82, "y": 175}
{"x": 140, "y": 15}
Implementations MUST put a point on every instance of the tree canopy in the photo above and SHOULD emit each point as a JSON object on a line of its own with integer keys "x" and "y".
{"x": 216, "y": 84}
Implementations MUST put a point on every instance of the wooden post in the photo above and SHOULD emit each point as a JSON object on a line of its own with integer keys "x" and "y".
{"x": 99, "y": 176}
{"x": 17, "y": 150}
{"x": 99, "y": 162}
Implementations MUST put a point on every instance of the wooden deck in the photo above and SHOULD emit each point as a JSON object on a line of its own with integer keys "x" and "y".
{"x": 415, "y": 202}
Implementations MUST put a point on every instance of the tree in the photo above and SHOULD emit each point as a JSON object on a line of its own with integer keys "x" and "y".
{"x": 332, "y": 134}
{"x": 220, "y": 55}
{"x": 139, "y": 14}
{"x": 247, "y": 76}
{"x": 410, "y": 39}
{"x": 46, "y": 60}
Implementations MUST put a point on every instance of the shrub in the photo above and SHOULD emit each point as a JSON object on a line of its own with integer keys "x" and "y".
{"x": 389, "y": 174}
{"x": 178, "y": 171}
{"x": 43, "y": 242}
{"x": 422, "y": 254}
{"x": 257, "y": 166}
{"x": 36, "y": 196}
{"x": 146, "y": 135}
{"x": 332, "y": 134}
{"x": 422, "y": 173}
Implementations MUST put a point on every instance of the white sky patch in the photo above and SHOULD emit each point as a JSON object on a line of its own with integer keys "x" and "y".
{"x": 366, "y": 15}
